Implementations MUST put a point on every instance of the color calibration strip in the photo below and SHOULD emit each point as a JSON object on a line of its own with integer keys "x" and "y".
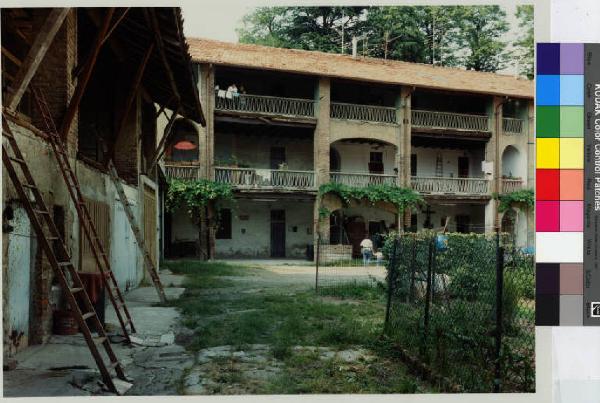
{"x": 559, "y": 178}
{"x": 563, "y": 290}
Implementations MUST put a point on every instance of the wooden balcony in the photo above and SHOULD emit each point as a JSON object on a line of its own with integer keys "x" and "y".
{"x": 511, "y": 185}
{"x": 450, "y": 121}
{"x": 450, "y": 186}
{"x": 265, "y": 105}
{"x": 363, "y": 113}
{"x": 513, "y": 126}
{"x": 255, "y": 178}
{"x": 181, "y": 171}
{"x": 362, "y": 179}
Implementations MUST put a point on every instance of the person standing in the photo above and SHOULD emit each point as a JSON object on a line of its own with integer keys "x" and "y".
{"x": 366, "y": 247}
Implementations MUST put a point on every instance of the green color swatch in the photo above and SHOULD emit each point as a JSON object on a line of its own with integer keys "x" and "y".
{"x": 547, "y": 121}
{"x": 571, "y": 121}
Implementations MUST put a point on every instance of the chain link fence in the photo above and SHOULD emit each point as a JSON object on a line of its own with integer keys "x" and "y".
{"x": 343, "y": 266}
{"x": 462, "y": 306}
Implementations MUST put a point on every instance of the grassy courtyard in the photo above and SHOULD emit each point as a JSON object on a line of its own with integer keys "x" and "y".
{"x": 275, "y": 325}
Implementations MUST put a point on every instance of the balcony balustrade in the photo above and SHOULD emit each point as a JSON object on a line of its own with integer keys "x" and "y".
{"x": 362, "y": 179}
{"x": 365, "y": 113}
{"x": 512, "y": 126}
{"x": 266, "y": 105}
{"x": 250, "y": 178}
{"x": 179, "y": 171}
{"x": 447, "y": 120}
{"x": 441, "y": 185}
{"x": 511, "y": 185}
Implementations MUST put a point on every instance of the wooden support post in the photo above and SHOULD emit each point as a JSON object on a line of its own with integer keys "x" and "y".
{"x": 85, "y": 75}
{"x": 153, "y": 22}
{"x": 133, "y": 90}
{"x": 36, "y": 54}
{"x": 164, "y": 140}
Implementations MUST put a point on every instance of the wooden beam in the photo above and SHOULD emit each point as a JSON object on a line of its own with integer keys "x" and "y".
{"x": 85, "y": 75}
{"x": 153, "y": 21}
{"x": 164, "y": 140}
{"x": 133, "y": 90}
{"x": 11, "y": 56}
{"x": 119, "y": 19}
{"x": 36, "y": 54}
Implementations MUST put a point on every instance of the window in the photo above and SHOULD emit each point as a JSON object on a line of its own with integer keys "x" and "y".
{"x": 463, "y": 224}
{"x": 224, "y": 229}
{"x": 376, "y": 162}
{"x": 413, "y": 223}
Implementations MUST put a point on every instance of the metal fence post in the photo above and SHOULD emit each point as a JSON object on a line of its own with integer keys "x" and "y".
{"x": 317, "y": 258}
{"x": 428, "y": 295}
{"x": 411, "y": 291}
{"x": 391, "y": 280}
{"x": 499, "y": 319}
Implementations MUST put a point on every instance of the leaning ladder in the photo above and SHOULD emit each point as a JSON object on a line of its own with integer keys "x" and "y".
{"x": 89, "y": 229}
{"x": 150, "y": 266}
{"x": 60, "y": 260}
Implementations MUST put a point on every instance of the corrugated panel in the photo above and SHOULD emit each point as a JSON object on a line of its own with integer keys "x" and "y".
{"x": 100, "y": 214}
{"x": 150, "y": 228}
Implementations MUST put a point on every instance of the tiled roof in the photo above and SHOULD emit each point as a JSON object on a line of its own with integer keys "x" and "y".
{"x": 362, "y": 69}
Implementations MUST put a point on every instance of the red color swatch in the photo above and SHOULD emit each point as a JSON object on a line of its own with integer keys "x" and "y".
{"x": 548, "y": 184}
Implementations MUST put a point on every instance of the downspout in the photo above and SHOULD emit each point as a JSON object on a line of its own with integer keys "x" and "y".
{"x": 497, "y": 175}
{"x": 406, "y": 119}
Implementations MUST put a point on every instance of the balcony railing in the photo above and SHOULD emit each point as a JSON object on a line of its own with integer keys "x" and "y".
{"x": 265, "y": 178}
{"x": 440, "y": 185}
{"x": 446, "y": 120}
{"x": 367, "y": 113}
{"x": 177, "y": 171}
{"x": 510, "y": 185}
{"x": 262, "y": 104}
{"x": 512, "y": 126}
{"x": 362, "y": 179}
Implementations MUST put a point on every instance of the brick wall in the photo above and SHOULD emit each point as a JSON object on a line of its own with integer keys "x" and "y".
{"x": 127, "y": 145}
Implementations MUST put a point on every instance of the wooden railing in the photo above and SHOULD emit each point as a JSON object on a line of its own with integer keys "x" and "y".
{"x": 442, "y": 185}
{"x": 368, "y": 113}
{"x": 267, "y": 178}
{"x": 512, "y": 126}
{"x": 446, "y": 120}
{"x": 510, "y": 185}
{"x": 266, "y": 105}
{"x": 177, "y": 171}
{"x": 362, "y": 179}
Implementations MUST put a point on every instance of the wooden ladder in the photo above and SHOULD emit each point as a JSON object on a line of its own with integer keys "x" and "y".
{"x": 58, "y": 256}
{"x": 89, "y": 229}
{"x": 150, "y": 266}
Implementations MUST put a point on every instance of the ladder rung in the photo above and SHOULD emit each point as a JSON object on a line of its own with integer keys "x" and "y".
{"x": 64, "y": 264}
{"x": 41, "y": 212}
{"x": 88, "y": 315}
{"x": 28, "y": 186}
{"x": 113, "y": 365}
{"x": 75, "y": 290}
{"x": 19, "y": 160}
{"x": 99, "y": 340}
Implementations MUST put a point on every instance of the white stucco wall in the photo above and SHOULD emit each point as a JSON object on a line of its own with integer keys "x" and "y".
{"x": 476, "y": 212}
{"x": 426, "y": 161}
{"x": 355, "y": 157}
{"x": 252, "y": 237}
{"x": 255, "y": 151}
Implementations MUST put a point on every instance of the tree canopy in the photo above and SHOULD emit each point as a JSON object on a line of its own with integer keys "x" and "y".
{"x": 470, "y": 37}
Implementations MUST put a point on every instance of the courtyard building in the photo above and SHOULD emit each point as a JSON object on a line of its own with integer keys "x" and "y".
{"x": 280, "y": 123}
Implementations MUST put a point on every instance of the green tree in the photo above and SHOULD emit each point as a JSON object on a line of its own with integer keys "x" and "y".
{"x": 524, "y": 44}
{"x": 479, "y": 37}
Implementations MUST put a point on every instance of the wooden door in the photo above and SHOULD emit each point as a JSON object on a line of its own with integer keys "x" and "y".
{"x": 150, "y": 227}
{"x": 277, "y": 233}
{"x": 463, "y": 167}
{"x": 100, "y": 215}
{"x": 277, "y": 156}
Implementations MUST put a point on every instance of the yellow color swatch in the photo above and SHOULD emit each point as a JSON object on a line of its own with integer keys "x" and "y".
{"x": 571, "y": 153}
{"x": 547, "y": 152}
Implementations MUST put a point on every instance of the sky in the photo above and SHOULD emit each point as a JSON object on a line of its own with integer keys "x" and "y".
{"x": 219, "y": 19}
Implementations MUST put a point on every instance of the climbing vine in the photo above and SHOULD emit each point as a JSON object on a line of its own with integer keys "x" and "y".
{"x": 403, "y": 198}
{"x": 193, "y": 195}
{"x": 523, "y": 197}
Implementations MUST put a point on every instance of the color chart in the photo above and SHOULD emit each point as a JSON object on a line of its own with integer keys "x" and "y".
{"x": 561, "y": 95}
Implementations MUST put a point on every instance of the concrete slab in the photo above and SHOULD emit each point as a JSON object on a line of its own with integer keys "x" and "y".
{"x": 144, "y": 296}
{"x": 148, "y": 320}
{"x": 168, "y": 279}
{"x": 39, "y": 383}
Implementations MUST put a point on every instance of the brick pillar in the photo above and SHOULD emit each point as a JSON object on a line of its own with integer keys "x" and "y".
{"x": 492, "y": 153}
{"x": 321, "y": 150}
{"x": 128, "y": 144}
{"x": 54, "y": 76}
{"x": 403, "y": 136}
{"x": 206, "y": 89}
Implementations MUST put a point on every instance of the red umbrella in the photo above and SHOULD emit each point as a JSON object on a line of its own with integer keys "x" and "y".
{"x": 185, "y": 145}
